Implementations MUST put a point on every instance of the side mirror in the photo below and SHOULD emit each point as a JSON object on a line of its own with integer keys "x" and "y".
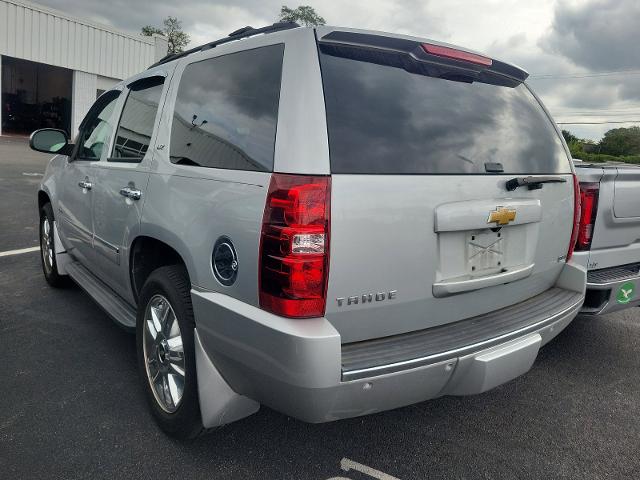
{"x": 50, "y": 140}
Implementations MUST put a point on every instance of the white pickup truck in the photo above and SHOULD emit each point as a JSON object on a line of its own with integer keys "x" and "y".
{"x": 608, "y": 243}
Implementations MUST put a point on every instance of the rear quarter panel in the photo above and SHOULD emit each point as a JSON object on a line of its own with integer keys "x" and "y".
{"x": 190, "y": 213}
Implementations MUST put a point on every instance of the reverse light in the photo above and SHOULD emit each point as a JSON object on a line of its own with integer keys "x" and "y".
{"x": 576, "y": 217}
{"x": 589, "y": 193}
{"x": 456, "y": 54}
{"x": 294, "y": 246}
{"x": 308, "y": 243}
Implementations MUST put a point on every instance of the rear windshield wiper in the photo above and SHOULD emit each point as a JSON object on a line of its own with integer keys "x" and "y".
{"x": 533, "y": 183}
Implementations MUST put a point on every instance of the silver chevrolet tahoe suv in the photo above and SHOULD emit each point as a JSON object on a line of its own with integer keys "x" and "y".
{"x": 331, "y": 222}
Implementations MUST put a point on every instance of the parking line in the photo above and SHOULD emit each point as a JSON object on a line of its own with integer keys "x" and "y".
{"x": 347, "y": 464}
{"x": 8, "y": 253}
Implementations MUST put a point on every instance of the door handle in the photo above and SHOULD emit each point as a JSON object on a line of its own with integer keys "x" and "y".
{"x": 131, "y": 193}
{"x": 86, "y": 184}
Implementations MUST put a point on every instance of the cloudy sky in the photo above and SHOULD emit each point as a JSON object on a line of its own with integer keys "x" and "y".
{"x": 583, "y": 55}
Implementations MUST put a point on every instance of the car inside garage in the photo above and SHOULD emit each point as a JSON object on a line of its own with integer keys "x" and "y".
{"x": 34, "y": 95}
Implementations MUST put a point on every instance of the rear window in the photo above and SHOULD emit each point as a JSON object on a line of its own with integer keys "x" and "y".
{"x": 227, "y": 109}
{"x": 385, "y": 120}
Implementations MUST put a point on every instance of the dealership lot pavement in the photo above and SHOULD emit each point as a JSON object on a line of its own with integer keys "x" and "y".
{"x": 71, "y": 404}
{"x": 21, "y": 170}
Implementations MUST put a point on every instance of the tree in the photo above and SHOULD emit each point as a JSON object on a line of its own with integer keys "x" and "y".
{"x": 148, "y": 31}
{"x": 621, "y": 141}
{"x": 176, "y": 38}
{"x": 304, "y": 14}
{"x": 569, "y": 137}
{"x": 576, "y": 145}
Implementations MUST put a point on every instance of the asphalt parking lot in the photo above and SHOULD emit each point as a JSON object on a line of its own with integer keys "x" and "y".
{"x": 72, "y": 406}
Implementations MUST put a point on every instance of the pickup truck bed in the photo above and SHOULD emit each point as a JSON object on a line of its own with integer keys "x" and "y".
{"x": 609, "y": 239}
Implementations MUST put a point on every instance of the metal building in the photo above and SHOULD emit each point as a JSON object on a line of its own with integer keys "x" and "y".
{"x": 53, "y": 65}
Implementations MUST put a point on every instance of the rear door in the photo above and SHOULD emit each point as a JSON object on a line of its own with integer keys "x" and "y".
{"x": 424, "y": 230}
{"x": 121, "y": 181}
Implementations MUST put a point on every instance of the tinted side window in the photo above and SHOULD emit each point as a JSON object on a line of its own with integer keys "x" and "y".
{"x": 137, "y": 120}
{"x": 227, "y": 109}
{"x": 97, "y": 127}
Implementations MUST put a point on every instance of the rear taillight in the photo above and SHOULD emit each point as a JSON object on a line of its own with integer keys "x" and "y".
{"x": 589, "y": 208}
{"x": 456, "y": 54}
{"x": 294, "y": 246}
{"x": 576, "y": 217}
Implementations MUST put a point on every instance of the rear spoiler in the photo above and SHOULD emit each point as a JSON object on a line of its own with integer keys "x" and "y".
{"x": 382, "y": 49}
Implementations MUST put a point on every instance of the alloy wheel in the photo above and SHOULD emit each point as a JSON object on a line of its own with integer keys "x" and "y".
{"x": 46, "y": 244}
{"x": 163, "y": 353}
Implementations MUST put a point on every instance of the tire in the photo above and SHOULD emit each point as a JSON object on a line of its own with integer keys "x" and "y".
{"x": 167, "y": 294}
{"x": 47, "y": 249}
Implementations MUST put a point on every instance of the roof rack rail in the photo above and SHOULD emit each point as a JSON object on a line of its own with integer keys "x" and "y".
{"x": 243, "y": 32}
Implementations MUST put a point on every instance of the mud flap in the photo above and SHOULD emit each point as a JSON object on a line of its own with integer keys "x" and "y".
{"x": 219, "y": 404}
{"x": 62, "y": 257}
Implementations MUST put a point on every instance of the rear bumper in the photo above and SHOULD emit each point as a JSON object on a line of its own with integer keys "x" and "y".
{"x": 300, "y": 367}
{"x": 612, "y": 289}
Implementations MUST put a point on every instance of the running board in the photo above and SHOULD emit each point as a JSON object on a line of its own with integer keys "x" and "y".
{"x": 119, "y": 310}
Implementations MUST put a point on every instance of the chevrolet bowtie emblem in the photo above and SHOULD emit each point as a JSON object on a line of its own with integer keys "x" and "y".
{"x": 502, "y": 216}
